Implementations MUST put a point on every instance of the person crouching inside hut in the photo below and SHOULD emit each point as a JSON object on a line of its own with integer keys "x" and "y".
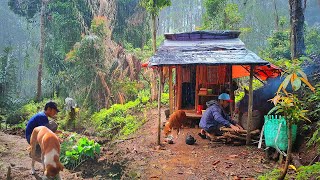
{"x": 215, "y": 117}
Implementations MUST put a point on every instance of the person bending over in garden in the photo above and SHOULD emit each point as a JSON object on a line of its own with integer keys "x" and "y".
{"x": 41, "y": 119}
{"x": 215, "y": 117}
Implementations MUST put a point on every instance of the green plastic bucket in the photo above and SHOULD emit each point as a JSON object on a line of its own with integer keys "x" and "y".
{"x": 273, "y": 136}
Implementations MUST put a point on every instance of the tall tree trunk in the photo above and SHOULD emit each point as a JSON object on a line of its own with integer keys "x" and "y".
{"x": 154, "y": 33}
{"x": 284, "y": 172}
{"x": 42, "y": 43}
{"x": 154, "y": 46}
{"x": 297, "y": 23}
{"x": 276, "y": 15}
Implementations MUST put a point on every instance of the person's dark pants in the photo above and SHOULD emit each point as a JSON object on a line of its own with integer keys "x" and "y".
{"x": 214, "y": 131}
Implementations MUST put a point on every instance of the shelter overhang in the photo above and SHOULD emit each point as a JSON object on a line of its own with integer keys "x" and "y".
{"x": 204, "y": 47}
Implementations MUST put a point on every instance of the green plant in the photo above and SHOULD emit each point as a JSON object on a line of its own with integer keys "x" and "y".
{"x": 315, "y": 138}
{"x": 73, "y": 152}
{"x": 117, "y": 120}
{"x": 289, "y": 105}
{"x": 165, "y": 98}
{"x": 15, "y": 118}
{"x": 272, "y": 175}
{"x": 309, "y": 172}
{"x": 313, "y": 101}
{"x": 8, "y": 79}
{"x": 313, "y": 40}
{"x": 31, "y": 108}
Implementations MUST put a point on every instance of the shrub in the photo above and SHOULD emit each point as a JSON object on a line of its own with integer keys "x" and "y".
{"x": 313, "y": 101}
{"x": 15, "y": 118}
{"x": 31, "y": 108}
{"x": 117, "y": 121}
{"x": 315, "y": 138}
{"x": 309, "y": 172}
{"x": 73, "y": 152}
{"x": 165, "y": 98}
{"x": 272, "y": 175}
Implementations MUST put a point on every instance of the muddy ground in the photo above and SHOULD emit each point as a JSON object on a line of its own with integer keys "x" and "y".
{"x": 138, "y": 157}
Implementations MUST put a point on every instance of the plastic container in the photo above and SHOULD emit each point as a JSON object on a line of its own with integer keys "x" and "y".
{"x": 199, "y": 109}
{"x": 209, "y": 91}
{"x": 273, "y": 136}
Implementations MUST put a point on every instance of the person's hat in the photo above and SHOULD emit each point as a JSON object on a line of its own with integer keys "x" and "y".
{"x": 225, "y": 97}
{"x": 52, "y": 105}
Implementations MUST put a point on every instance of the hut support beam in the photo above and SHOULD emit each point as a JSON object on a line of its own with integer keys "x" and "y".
{"x": 159, "y": 103}
{"x": 197, "y": 88}
{"x": 170, "y": 91}
{"x": 249, "y": 123}
{"x": 232, "y": 104}
{"x": 179, "y": 86}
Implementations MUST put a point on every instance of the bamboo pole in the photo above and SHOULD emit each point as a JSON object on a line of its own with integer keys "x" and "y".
{"x": 249, "y": 123}
{"x": 159, "y": 104}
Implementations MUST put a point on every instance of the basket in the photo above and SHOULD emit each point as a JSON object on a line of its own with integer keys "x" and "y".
{"x": 273, "y": 136}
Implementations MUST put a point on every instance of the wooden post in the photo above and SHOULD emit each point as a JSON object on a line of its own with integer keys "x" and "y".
{"x": 179, "y": 86}
{"x": 159, "y": 104}
{"x": 197, "y": 88}
{"x": 231, "y": 93}
{"x": 170, "y": 90}
{"x": 249, "y": 123}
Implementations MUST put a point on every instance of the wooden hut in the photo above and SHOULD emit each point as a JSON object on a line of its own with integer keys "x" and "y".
{"x": 200, "y": 65}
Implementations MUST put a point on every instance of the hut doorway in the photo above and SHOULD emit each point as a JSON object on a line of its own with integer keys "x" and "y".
{"x": 188, "y": 87}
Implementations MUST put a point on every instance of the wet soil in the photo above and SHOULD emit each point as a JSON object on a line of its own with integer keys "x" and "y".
{"x": 139, "y": 157}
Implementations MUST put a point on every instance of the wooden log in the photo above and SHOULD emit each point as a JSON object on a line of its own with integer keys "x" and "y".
{"x": 234, "y": 136}
{"x": 231, "y": 130}
{"x": 254, "y": 136}
{"x": 254, "y": 132}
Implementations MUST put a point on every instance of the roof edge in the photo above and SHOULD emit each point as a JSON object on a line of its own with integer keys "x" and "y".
{"x": 203, "y": 35}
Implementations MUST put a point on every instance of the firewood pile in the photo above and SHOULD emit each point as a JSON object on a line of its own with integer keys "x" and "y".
{"x": 229, "y": 135}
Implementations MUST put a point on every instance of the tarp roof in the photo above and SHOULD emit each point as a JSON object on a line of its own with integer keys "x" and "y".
{"x": 204, "y": 47}
{"x": 263, "y": 72}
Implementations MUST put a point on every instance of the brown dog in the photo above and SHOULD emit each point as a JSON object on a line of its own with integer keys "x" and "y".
{"x": 175, "y": 122}
{"x": 50, "y": 151}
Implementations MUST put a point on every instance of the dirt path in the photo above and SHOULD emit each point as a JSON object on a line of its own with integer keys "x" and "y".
{"x": 139, "y": 158}
{"x": 204, "y": 160}
{"x": 13, "y": 153}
